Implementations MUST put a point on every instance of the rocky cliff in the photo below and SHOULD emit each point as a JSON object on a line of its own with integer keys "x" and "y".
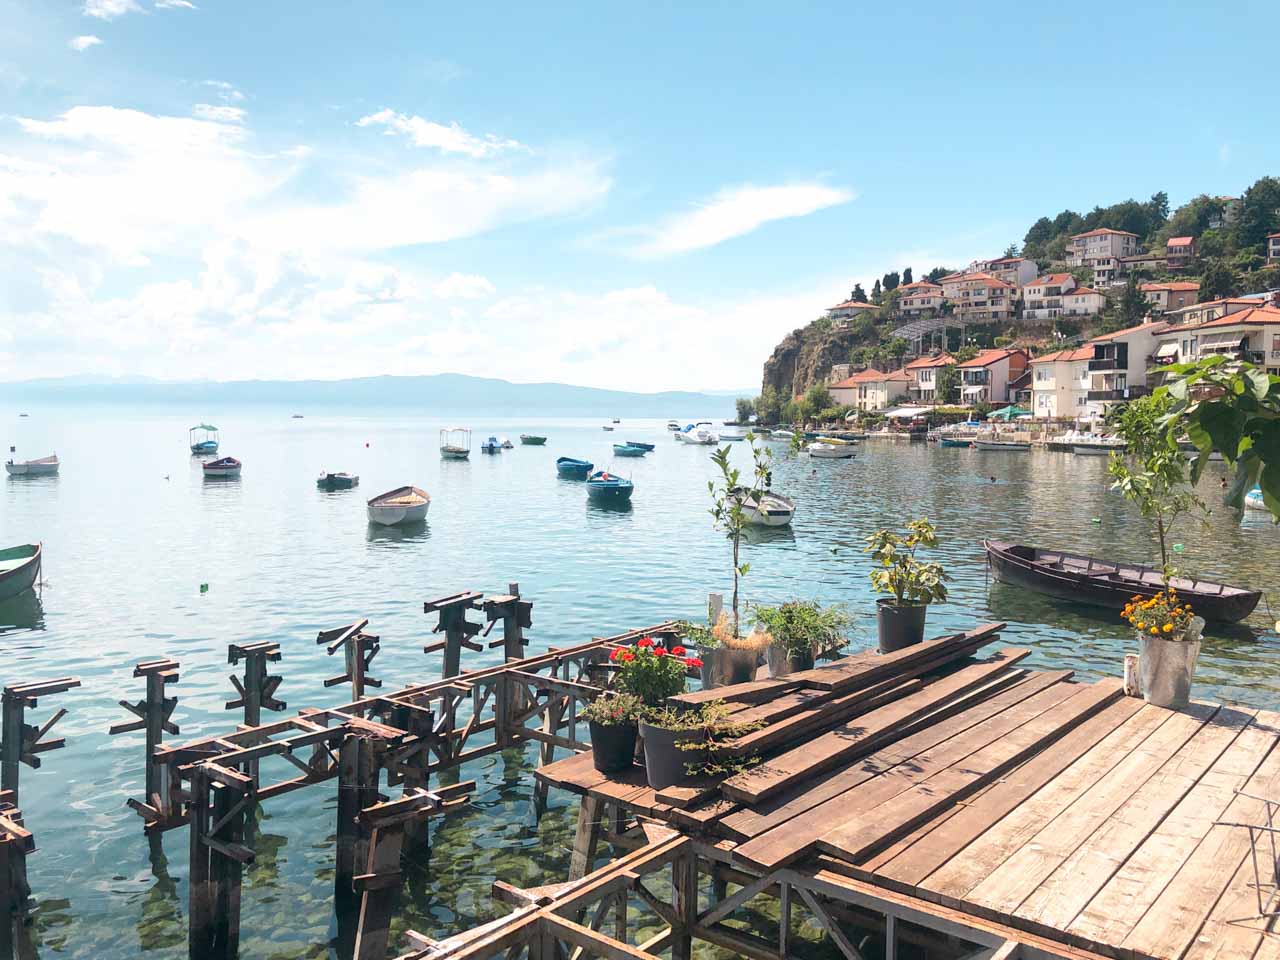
{"x": 805, "y": 357}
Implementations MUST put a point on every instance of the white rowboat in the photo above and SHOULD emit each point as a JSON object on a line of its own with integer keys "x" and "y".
{"x": 826, "y": 450}
{"x": 44, "y": 467}
{"x": 398, "y": 506}
{"x": 769, "y": 509}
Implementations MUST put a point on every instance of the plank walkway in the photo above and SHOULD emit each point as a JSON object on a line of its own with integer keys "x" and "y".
{"x": 1061, "y": 809}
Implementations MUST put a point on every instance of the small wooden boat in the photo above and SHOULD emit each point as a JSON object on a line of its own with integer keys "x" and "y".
{"x": 1105, "y": 584}
{"x": 956, "y": 442}
{"x": 43, "y": 467}
{"x": 455, "y": 443}
{"x": 507, "y": 444}
{"x": 1007, "y": 445}
{"x": 491, "y": 446}
{"x": 732, "y": 432}
{"x": 768, "y": 509}
{"x": 19, "y": 569}
{"x": 672, "y": 425}
{"x": 203, "y": 439}
{"x": 296, "y": 416}
{"x": 832, "y": 450}
{"x": 781, "y": 434}
{"x": 607, "y": 428}
{"x": 399, "y": 506}
{"x": 337, "y": 481}
{"x": 529, "y": 440}
{"x": 227, "y": 468}
{"x": 602, "y": 485}
{"x": 574, "y": 469}
{"x": 628, "y": 450}
{"x": 646, "y": 447}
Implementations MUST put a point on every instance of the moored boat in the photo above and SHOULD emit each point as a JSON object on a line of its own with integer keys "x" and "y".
{"x": 767, "y": 509}
{"x": 455, "y": 443}
{"x": 491, "y": 446}
{"x": 42, "y": 467}
{"x": 529, "y": 440}
{"x": 573, "y": 469}
{"x": 832, "y": 450}
{"x": 1253, "y": 499}
{"x": 701, "y": 434}
{"x": 628, "y": 450}
{"x": 1106, "y": 584}
{"x": 399, "y": 506}
{"x": 673, "y": 425}
{"x": 507, "y": 444}
{"x": 226, "y": 468}
{"x": 781, "y": 434}
{"x": 732, "y": 431}
{"x": 646, "y": 447}
{"x": 337, "y": 481}
{"x": 203, "y": 439}
{"x": 19, "y": 569}
{"x": 603, "y": 485}
{"x": 1007, "y": 445}
{"x": 955, "y": 441}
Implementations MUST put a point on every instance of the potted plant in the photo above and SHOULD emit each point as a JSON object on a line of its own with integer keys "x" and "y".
{"x": 727, "y": 512}
{"x": 612, "y": 718}
{"x": 726, "y": 658}
{"x": 652, "y": 672}
{"x": 911, "y": 585}
{"x": 674, "y": 741}
{"x": 800, "y": 630}
{"x": 1169, "y": 645}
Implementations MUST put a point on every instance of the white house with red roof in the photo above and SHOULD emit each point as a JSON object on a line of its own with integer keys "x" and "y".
{"x": 1180, "y": 252}
{"x": 986, "y": 378}
{"x": 1273, "y": 249}
{"x": 1101, "y": 250}
{"x": 1060, "y": 383}
{"x": 1252, "y": 334}
{"x": 1042, "y": 298}
{"x": 849, "y": 309}
{"x": 979, "y": 297}
{"x": 1172, "y": 295}
{"x": 1194, "y": 313}
{"x": 1120, "y": 363}
{"x": 1018, "y": 271}
{"x": 924, "y": 373}
{"x": 917, "y": 299}
{"x": 872, "y": 389}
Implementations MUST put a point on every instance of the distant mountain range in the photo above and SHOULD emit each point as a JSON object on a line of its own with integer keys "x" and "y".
{"x": 439, "y": 393}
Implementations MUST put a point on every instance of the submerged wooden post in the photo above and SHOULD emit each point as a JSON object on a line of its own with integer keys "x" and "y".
{"x": 515, "y": 614}
{"x": 359, "y": 649}
{"x": 257, "y": 689}
{"x": 19, "y": 740}
{"x": 358, "y": 770}
{"x": 684, "y": 886}
{"x": 457, "y": 629}
{"x": 220, "y": 800}
{"x": 154, "y": 711}
{"x": 15, "y": 892}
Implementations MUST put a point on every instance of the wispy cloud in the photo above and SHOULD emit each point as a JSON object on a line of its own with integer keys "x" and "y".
{"x": 83, "y": 43}
{"x": 110, "y": 9}
{"x": 733, "y": 212}
{"x": 428, "y": 133}
{"x": 464, "y": 286}
{"x": 175, "y": 4}
{"x": 219, "y": 113}
{"x": 226, "y": 91}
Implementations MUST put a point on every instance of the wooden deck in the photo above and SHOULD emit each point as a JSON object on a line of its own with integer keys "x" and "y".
{"x": 1063, "y": 810}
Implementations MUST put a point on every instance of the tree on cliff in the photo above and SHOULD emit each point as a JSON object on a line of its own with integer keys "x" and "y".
{"x": 1219, "y": 280}
{"x": 818, "y": 398}
{"x": 745, "y": 408}
{"x": 876, "y": 294}
{"x": 859, "y": 294}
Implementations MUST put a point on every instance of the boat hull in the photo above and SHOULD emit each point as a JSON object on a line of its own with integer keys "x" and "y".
{"x": 207, "y": 448}
{"x": 613, "y": 493}
{"x": 572, "y": 469}
{"x": 1095, "y": 450}
{"x": 1008, "y": 446}
{"x": 390, "y": 515}
{"x": 454, "y": 454}
{"x": 529, "y": 441}
{"x": 1103, "y": 584}
{"x": 771, "y": 510}
{"x": 832, "y": 451}
{"x": 337, "y": 481}
{"x": 31, "y": 469}
{"x": 626, "y": 450}
{"x": 20, "y": 577}
{"x": 955, "y": 442}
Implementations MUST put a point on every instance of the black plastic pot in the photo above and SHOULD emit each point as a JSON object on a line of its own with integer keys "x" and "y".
{"x": 723, "y": 666}
{"x": 664, "y": 762}
{"x": 899, "y": 626}
{"x": 613, "y": 749}
{"x": 782, "y": 663}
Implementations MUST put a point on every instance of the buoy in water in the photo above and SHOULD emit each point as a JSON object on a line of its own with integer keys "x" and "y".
{"x": 204, "y": 588}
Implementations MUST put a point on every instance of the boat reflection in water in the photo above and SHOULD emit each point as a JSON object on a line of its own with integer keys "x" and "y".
{"x": 414, "y": 532}
{"x": 23, "y": 612}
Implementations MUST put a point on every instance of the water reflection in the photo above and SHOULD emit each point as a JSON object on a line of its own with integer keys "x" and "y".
{"x": 400, "y": 533}
{"x": 23, "y": 612}
{"x": 609, "y": 506}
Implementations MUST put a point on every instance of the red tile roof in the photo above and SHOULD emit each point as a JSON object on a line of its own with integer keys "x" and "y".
{"x": 982, "y": 278}
{"x": 1254, "y": 315}
{"x": 922, "y": 363}
{"x": 1225, "y": 301}
{"x": 1103, "y": 231}
{"x": 1180, "y": 241}
{"x": 869, "y": 375}
{"x": 921, "y": 284}
{"x": 1007, "y": 260}
{"x": 1158, "y": 327}
{"x": 988, "y": 357}
{"x": 1272, "y": 236}
{"x": 1071, "y": 353}
{"x": 1051, "y": 280}
{"x": 1078, "y": 291}
{"x": 1175, "y": 286}
{"x": 853, "y": 303}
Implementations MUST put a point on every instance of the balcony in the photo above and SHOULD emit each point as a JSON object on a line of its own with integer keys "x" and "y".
{"x": 1104, "y": 363}
{"x": 1124, "y": 393}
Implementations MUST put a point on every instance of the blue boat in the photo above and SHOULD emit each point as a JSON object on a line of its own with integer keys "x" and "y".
{"x": 602, "y": 485}
{"x": 629, "y": 450}
{"x": 646, "y": 447}
{"x": 574, "y": 469}
{"x": 956, "y": 441}
{"x": 203, "y": 439}
{"x": 491, "y": 446}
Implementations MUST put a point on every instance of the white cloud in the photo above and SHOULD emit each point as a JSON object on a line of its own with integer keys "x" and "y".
{"x": 226, "y": 91}
{"x": 427, "y": 133}
{"x": 733, "y": 212}
{"x": 218, "y": 113}
{"x": 174, "y": 5}
{"x": 84, "y": 42}
{"x": 464, "y": 286}
{"x": 110, "y": 9}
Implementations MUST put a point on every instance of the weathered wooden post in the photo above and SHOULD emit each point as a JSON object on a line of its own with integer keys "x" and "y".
{"x": 257, "y": 689}
{"x": 359, "y": 649}
{"x": 15, "y": 892}
{"x": 359, "y": 765}
{"x": 19, "y": 740}
{"x": 154, "y": 711}
{"x": 457, "y": 630}
{"x": 221, "y": 799}
{"x": 515, "y": 614}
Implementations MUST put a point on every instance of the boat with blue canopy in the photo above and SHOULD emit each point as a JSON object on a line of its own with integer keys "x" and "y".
{"x": 203, "y": 439}
{"x": 603, "y": 485}
{"x": 574, "y": 469}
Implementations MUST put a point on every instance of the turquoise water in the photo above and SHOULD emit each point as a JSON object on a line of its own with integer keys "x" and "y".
{"x": 131, "y": 531}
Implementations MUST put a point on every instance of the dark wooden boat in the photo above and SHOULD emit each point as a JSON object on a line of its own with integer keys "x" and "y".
{"x": 573, "y": 469}
{"x": 337, "y": 481}
{"x": 1105, "y": 584}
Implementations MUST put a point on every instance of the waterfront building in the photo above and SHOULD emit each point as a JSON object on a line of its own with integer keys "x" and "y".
{"x": 849, "y": 309}
{"x": 1273, "y": 249}
{"x": 872, "y": 389}
{"x": 986, "y": 378}
{"x": 1060, "y": 383}
{"x": 1101, "y": 251}
{"x": 1120, "y": 363}
{"x": 979, "y": 297}
{"x": 924, "y": 371}
{"x": 916, "y": 299}
{"x": 1180, "y": 252}
{"x": 1171, "y": 296}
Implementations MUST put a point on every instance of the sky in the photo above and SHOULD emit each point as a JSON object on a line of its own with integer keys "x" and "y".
{"x": 641, "y": 196}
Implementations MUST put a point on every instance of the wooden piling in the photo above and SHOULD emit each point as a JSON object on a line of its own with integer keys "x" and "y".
{"x": 153, "y": 711}
{"x": 221, "y": 799}
{"x": 455, "y": 626}
{"x": 358, "y": 769}
{"x": 358, "y": 649}
{"x": 19, "y": 740}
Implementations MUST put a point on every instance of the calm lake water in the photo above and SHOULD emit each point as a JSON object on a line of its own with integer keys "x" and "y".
{"x": 131, "y": 531}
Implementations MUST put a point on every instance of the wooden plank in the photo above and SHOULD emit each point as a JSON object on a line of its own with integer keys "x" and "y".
{"x": 747, "y": 823}
{"x": 696, "y": 791}
{"x": 1054, "y": 904}
{"x": 838, "y": 677}
{"x": 876, "y": 827}
{"x": 962, "y": 824}
{"x": 892, "y": 721}
{"x": 751, "y": 692}
{"x": 792, "y": 838}
{"x": 1111, "y": 914}
{"x": 1170, "y": 925}
{"x": 1005, "y": 887}
{"x": 596, "y": 944}
{"x": 1226, "y": 933}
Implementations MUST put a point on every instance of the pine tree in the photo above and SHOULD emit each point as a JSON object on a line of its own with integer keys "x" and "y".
{"x": 906, "y": 276}
{"x": 876, "y": 295}
{"x": 859, "y": 294}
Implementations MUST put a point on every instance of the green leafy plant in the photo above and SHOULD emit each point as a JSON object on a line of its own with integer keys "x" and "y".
{"x": 652, "y": 672}
{"x": 899, "y": 573}
{"x": 727, "y": 497}
{"x": 613, "y": 709}
{"x": 804, "y": 626}
{"x": 1152, "y": 473}
{"x": 715, "y": 721}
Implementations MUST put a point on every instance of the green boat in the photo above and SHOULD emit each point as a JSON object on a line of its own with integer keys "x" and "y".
{"x": 19, "y": 569}
{"x": 531, "y": 441}
{"x": 337, "y": 481}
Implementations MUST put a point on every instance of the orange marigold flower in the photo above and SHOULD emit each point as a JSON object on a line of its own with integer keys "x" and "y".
{"x": 1168, "y": 628}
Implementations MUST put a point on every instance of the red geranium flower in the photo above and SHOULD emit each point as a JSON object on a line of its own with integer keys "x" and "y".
{"x": 659, "y": 652}
{"x": 613, "y": 654}
{"x": 677, "y": 651}
{"x": 693, "y": 662}
{"x": 627, "y": 656}
{"x": 645, "y": 642}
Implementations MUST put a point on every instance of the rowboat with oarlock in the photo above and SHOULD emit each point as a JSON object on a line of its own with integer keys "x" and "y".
{"x": 399, "y": 506}
{"x": 19, "y": 569}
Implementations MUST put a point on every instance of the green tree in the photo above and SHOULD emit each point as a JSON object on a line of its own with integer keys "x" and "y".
{"x": 1219, "y": 281}
{"x": 769, "y": 405}
{"x": 947, "y": 384}
{"x": 859, "y": 294}
{"x": 937, "y": 273}
{"x": 727, "y": 498}
{"x": 898, "y": 348}
{"x": 906, "y": 276}
{"x": 891, "y": 281}
{"x": 745, "y": 408}
{"x": 1133, "y": 305}
{"x": 818, "y": 398}
{"x": 1259, "y": 212}
{"x": 1040, "y": 233}
{"x": 1011, "y": 250}
{"x": 965, "y": 353}
{"x": 1192, "y": 218}
{"x": 1214, "y": 244}
{"x": 876, "y": 293}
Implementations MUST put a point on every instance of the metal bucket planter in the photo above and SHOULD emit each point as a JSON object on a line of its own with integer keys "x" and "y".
{"x": 782, "y": 663}
{"x": 613, "y": 748}
{"x": 899, "y": 626}
{"x": 664, "y": 762}
{"x": 722, "y": 666}
{"x": 1168, "y": 666}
